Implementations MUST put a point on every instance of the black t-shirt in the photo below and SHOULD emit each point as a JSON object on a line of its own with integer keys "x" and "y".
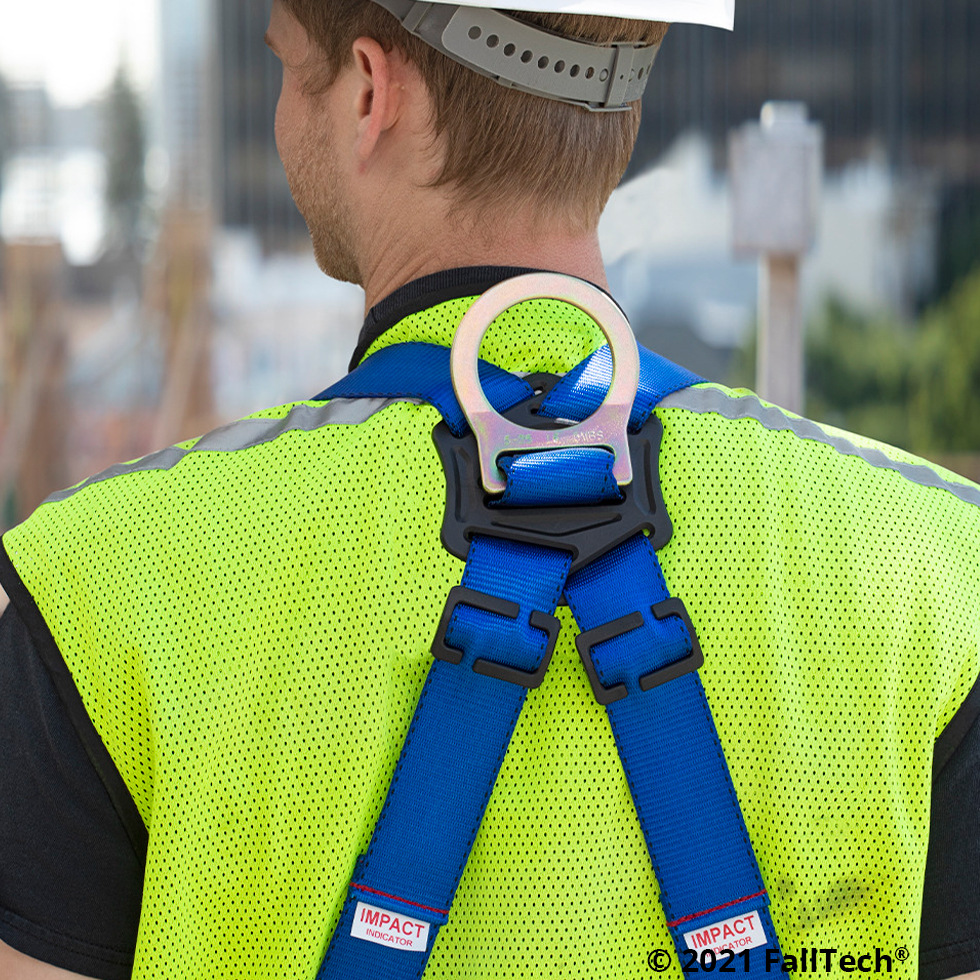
{"x": 73, "y": 845}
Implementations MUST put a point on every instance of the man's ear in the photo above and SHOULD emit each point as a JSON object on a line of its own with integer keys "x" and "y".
{"x": 377, "y": 97}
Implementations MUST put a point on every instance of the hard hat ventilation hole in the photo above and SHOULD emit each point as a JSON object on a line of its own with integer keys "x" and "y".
{"x": 589, "y": 72}
{"x": 509, "y": 49}
{"x": 493, "y": 41}
{"x": 639, "y": 74}
{"x": 559, "y": 66}
{"x": 527, "y": 56}
{"x": 543, "y": 61}
{"x": 474, "y": 33}
{"x": 575, "y": 70}
{"x": 604, "y": 74}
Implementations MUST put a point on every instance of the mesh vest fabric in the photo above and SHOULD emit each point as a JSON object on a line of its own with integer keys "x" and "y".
{"x": 247, "y": 618}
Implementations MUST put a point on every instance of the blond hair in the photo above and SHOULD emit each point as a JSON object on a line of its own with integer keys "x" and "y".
{"x": 502, "y": 146}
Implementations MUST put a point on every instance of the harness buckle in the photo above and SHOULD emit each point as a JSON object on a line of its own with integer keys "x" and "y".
{"x": 584, "y": 642}
{"x": 462, "y": 596}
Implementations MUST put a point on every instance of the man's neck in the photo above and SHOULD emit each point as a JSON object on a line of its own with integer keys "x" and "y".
{"x": 428, "y": 250}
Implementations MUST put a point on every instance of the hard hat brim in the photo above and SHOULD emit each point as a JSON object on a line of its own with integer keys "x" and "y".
{"x": 711, "y": 13}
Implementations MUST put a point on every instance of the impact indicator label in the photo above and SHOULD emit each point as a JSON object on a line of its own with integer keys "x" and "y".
{"x": 738, "y": 933}
{"x": 389, "y": 928}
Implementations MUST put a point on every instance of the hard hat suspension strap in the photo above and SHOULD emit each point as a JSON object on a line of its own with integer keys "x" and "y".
{"x": 597, "y": 77}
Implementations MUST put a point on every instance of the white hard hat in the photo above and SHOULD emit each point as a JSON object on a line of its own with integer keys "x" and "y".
{"x": 713, "y": 13}
{"x": 598, "y": 77}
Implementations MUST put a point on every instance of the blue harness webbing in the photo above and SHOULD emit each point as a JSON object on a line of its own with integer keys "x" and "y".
{"x": 495, "y": 641}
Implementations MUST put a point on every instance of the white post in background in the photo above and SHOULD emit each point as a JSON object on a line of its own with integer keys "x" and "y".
{"x": 777, "y": 169}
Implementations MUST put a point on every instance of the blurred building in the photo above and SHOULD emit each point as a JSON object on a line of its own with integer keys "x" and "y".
{"x": 901, "y": 75}
{"x": 185, "y": 111}
{"x": 252, "y": 189}
{"x": 666, "y": 241}
{"x": 895, "y": 80}
{"x": 30, "y": 123}
{"x": 53, "y": 173}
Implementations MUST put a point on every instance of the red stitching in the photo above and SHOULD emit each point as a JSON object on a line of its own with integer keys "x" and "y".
{"x": 374, "y": 891}
{"x": 717, "y": 908}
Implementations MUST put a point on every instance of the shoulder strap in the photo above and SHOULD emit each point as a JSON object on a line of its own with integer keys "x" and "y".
{"x": 417, "y": 370}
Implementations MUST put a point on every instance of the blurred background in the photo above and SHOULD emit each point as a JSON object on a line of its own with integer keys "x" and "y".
{"x": 156, "y": 279}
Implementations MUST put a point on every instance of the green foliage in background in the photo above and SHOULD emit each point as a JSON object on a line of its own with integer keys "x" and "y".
{"x": 857, "y": 374}
{"x": 945, "y": 374}
{"x": 915, "y": 386}
{"x": 959, "y": 237}
{"x": 125, "y": 150}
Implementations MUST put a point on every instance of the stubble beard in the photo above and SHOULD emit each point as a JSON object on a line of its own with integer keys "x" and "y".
{"x": 318, "y": 189}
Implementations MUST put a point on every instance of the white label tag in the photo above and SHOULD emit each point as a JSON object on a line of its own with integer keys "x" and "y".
{"x": 741, "y": 932}
{"x": 389, "y": 929}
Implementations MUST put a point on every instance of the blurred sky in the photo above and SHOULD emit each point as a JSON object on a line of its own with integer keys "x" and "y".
{"x": 74, "y": 46}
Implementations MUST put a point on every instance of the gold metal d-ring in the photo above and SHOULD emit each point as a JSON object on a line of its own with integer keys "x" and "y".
{"x": 495, "y": 435}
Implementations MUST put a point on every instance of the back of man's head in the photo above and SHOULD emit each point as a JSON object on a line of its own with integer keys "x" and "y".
{"x": 503, "y": 147}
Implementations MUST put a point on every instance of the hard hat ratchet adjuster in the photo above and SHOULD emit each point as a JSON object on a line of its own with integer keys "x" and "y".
{"x": 516, "y": 54}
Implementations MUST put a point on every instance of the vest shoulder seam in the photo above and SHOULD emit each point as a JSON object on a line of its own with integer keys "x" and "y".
{"x": 244, "y": 434}
{"x": 710, "y": 399}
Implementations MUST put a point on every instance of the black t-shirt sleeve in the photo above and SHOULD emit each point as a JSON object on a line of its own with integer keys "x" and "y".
{"x": 949, "y": 941}
{"x": 71, "y": 875}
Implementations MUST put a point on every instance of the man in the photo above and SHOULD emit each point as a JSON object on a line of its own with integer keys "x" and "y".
{"x": 213, "y": 655}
